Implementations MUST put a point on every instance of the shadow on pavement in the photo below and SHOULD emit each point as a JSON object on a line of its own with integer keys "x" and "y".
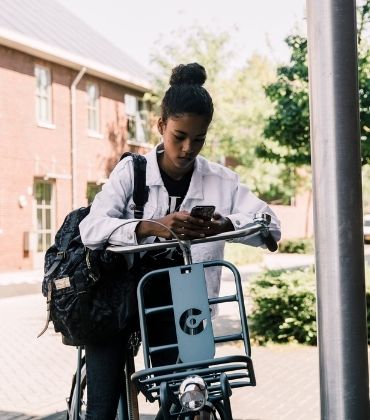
{"x": 13, "y": 415}
{"x": 56, "y": 416}
{"x": 225, "y": 324}
{"x": 10, "y": 415}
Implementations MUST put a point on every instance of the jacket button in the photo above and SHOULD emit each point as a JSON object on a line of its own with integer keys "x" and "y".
{"x": 237, "y": 222}
{"x": 129, "y": 237}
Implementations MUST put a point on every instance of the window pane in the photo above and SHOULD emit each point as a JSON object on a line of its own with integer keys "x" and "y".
{"x": 131, "y": 105}
{"x": 47, "y": 193}
{"x": 47, "y": 219}
{"x": 39, "y": 192}
{"x": 92, "y": 93}
{"x": 39, "y": 219}
{"x": 43, "y": 94}
{"x": 92, "y": 120}
{"x": 93, "y": 107}
{"x": 39, "y": 243}
{"x": 47, "y": 241}
{"x": 44, "y": 109}
{"x": 140, "y": 130}
{"x": 131, "y": 128}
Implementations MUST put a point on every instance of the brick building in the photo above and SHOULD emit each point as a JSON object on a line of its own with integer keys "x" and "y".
{"x": 70, "y": 104}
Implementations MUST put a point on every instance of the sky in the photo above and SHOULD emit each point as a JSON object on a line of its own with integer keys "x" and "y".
{"x": 135, "y": 26}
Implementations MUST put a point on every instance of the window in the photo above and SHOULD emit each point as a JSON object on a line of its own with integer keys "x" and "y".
{"x": 137, "y": 119}
{"x": 44, "y": 214}
{"x": 91, "y": 191}
{"x": 93, "y": 112}
{"x": 43, "y": 95}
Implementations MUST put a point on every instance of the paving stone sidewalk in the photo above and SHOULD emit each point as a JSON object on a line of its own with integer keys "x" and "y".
{"x": 35, "y": 374}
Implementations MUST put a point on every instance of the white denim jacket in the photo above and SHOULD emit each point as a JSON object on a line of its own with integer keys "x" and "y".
{"x": 211, "y": 184}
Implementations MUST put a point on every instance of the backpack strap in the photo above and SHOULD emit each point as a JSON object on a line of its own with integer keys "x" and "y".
{"x": 58, "y": 259}
{"x": 141, "y": 190}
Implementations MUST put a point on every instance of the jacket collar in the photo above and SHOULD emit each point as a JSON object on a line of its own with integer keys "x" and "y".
{"x": 153, "y": 175}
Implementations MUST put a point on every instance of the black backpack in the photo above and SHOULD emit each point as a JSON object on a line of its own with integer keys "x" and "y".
{"x": 91, "y": 295}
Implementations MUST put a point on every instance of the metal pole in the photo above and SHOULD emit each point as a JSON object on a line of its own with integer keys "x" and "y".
{"x": 74, "y": 181}
{"x": 335, "y": 137}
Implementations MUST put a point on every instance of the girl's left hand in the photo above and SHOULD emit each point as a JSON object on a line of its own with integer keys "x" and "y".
{"x": 218, "y": 224}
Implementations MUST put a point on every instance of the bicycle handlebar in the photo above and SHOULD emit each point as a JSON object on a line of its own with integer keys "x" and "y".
{"x": 251, "y": 231}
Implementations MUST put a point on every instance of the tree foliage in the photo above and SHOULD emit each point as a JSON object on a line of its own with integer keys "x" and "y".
{"x": 288, "y": 128}
{"x": 241, "y": 106}
{"x": 195, "y": 44}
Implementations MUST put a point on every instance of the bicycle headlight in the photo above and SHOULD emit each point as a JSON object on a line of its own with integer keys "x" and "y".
{"x": 193, "y": 393}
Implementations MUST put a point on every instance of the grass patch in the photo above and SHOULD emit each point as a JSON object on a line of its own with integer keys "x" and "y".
{"x": 239, "y": 254}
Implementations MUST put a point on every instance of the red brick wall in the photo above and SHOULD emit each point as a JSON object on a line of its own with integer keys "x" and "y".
{"x": 29, "y": 151}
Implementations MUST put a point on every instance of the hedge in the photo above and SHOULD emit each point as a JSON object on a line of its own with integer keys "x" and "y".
{"x": 297, "y": 246}
{"x": 283, "y": 306}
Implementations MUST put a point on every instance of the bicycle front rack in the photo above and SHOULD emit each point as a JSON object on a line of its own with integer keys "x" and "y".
{"x": 196, "y": 342}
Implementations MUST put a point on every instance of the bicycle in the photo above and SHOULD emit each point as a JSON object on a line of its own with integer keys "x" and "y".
{"x": 198, "y": 384}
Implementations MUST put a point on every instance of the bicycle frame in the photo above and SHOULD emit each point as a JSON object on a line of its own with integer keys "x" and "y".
{"x": 220, "y": 374}
{"x": 196, "y": 349}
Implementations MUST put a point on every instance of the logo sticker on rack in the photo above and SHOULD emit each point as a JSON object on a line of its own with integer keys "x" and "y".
{"x": 192, "y": 321}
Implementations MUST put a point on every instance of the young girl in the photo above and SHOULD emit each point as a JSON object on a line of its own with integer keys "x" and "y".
{"x": 178, "y": 179}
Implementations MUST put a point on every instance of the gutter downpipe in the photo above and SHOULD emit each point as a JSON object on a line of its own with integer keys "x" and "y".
{"x": 336, "y": 162}
{"x": 74, "y": 137}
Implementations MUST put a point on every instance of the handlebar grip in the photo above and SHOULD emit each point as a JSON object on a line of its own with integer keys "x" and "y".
{"x": 270, "y": 242}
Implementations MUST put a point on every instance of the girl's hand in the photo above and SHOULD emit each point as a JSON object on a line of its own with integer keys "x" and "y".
{"x": 218, "y": 224}
{"x": 184, "y": 225}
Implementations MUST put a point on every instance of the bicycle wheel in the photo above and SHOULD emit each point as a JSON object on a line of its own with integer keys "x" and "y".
{"x": 131, "y": 391}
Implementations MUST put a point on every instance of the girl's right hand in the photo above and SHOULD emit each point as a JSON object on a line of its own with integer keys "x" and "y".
{"x": 184, "y": 225}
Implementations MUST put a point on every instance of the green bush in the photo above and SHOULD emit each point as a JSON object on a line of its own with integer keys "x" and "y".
{"x": 283, "y": 307}
{"x": 297, "y": 246}
{"x": 284, "y": 304}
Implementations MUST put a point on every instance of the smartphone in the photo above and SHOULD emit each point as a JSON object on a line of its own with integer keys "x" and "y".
{"x": 203, "y": 212}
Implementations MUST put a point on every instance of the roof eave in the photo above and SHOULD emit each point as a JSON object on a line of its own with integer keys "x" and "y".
{"x": 57, "y": 55}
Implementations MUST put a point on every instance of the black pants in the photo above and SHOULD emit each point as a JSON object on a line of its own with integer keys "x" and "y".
{"x": 105, "y": 377}
{"x": 105, "y": 362}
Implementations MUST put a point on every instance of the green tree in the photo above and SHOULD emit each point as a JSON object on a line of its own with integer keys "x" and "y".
{"x": 241, "y": 106}
{"x": 205, "y": 47}
{"x": 288, "y": 127}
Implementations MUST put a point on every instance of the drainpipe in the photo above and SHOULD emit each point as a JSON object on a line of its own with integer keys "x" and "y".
{"x": 74, "y": 137}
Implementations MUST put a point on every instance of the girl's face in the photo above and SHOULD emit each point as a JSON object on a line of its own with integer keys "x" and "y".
{"x": 183, "y": 139}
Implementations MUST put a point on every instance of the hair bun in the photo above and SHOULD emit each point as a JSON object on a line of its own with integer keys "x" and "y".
{"x": 188, "y": 74}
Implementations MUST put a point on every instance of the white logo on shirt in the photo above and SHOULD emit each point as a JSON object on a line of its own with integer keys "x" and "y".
{"x": 173, "y": 202}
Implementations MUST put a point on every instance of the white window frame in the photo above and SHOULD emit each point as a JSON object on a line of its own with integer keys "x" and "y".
{"x": 93, "y": 110}
{"x": 134, "y": 116}
{"x": 44, "y": 119}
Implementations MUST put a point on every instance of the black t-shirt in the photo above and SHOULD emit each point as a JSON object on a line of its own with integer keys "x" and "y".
{"x": 176, "y": 189}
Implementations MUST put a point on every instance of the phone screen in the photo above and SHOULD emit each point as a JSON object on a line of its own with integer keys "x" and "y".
{"x": 203, "y": 212}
